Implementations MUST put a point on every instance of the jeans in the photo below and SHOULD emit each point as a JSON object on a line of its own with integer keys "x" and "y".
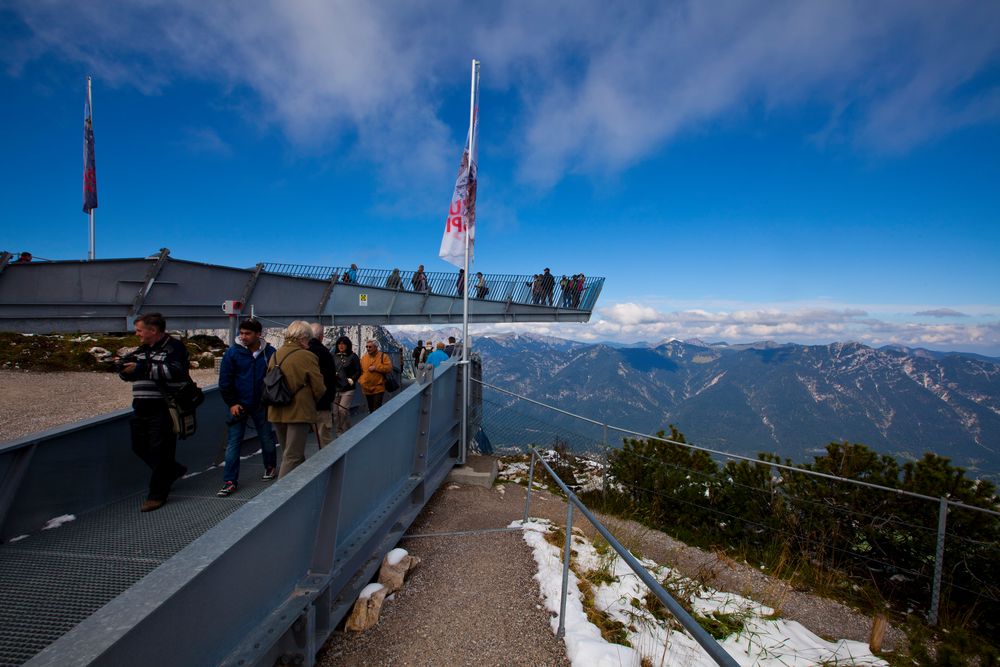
{"x": 236, "y": 431}
{"x": 342, "y": 410}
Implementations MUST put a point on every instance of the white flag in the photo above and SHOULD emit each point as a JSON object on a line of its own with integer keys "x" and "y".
{"x": 462, "y": 212}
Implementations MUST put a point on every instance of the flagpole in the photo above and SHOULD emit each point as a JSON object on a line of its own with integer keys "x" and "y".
{"x": 91, "y": 253}
{"x": 466, "y": 343}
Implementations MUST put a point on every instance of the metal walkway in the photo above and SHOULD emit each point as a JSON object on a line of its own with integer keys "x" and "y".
{"x": 79, "y": 567}
{"x": 263, "y": 575}
{"x": 107, "y": 295}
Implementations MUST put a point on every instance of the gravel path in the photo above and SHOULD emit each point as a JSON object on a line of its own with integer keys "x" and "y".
{"x": 472, "y": 601}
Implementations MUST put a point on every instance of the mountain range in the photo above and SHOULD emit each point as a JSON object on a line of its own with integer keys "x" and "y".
{"x": 788, "y": 399}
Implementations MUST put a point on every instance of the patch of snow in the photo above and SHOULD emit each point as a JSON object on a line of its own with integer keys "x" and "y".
{"x": 58, "y": 521}
{"x": 760, "y": 641}
{"x": 17, "y": 539}
{"x": 396, "y": 555}
{"x": 369, "y": 591}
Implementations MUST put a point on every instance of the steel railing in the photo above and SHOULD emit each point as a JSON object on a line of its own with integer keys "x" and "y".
{"x": 698, "y": 633}
{"x": 579, "y": 294}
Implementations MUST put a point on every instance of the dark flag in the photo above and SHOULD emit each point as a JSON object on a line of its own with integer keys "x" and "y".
{"x": 89, "y": 167}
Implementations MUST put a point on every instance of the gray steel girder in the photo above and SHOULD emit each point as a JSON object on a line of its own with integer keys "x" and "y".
{"x": 104, "y": 295}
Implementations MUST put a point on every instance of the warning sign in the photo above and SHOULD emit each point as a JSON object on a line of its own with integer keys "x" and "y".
{"x": 363, "y": 300}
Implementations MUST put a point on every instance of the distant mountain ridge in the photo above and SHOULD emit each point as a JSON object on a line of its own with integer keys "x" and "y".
{"x": 784, "y": 398}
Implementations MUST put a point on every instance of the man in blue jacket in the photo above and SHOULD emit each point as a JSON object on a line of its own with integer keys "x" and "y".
{"x": 241, "y": 380}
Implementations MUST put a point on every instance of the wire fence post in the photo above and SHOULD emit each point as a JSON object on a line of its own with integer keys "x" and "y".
{"x": 531, "y": 482}
{"x": 607, "y": 464}
{"x": 932, "y": 617}
{"x": 561, "y": 632}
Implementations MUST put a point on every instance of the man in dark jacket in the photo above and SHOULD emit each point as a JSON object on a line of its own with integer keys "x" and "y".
{"x": 348, "y": 371}
{"x": 324, "y": 421}
{"x": 241, "y": 379}
{"x": 158, "y": 367}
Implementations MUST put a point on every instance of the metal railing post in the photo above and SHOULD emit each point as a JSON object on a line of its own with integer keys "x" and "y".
{"x": 561, "y": 632}
{"x": 607, "y": 464}
{"x": 531, "y": 482}
{"x": 932, "y": 616}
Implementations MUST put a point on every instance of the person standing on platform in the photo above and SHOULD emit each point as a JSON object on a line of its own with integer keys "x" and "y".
{"x": 449, "y": 349}
{"x": 300, "y": 368}
{"x": 460, "y": 283}
{"x": 324, "y": 419}
{"x": 348, "y": 372}
{"x": 419, "y": 280}
{"x": 418, "y": 354}
{"x": 241, "y": 378}
{"x": 437, "y": 356}
{"x": 158, "y": 366}
{"x": 375, "y": 364}
{"x": 394, "y": 281}
{"x": 352, "y": 273}
{"x": 481, "y": 289}
{"x": 548, "y": 286}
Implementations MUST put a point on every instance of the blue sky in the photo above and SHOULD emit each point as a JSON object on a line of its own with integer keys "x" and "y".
{"x": 805, "y": 172}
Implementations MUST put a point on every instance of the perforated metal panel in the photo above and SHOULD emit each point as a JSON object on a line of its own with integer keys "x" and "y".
{"x": 54, "y": 579}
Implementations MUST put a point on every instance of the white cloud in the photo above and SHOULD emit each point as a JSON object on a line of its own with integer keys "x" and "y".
{"x": 602, "y": 86}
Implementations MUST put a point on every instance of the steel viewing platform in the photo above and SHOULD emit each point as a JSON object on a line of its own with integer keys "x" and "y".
{"x": 106, "y": 295}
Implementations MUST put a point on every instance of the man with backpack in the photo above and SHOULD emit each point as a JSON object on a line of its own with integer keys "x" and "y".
{"x": 158, "y": 367}
{"x": 241, "y": 377}
{"x": 292, "y": 386}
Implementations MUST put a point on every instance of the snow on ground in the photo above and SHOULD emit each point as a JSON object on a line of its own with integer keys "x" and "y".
{"x": 58, "y": 521}
{"x": 757, "y": 637}
{"x": 396, "y": 555}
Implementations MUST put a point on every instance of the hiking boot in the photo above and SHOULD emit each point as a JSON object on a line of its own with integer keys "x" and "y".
{"x": 151, "y": 505}
{"x": 269, "y": 473}
{"x": 227, "y": 489}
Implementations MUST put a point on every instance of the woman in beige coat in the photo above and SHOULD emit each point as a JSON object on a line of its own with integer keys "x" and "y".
{"x": 301, "y": 370}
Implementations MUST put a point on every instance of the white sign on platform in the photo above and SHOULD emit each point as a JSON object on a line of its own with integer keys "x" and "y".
{"x": 363, "y": 300}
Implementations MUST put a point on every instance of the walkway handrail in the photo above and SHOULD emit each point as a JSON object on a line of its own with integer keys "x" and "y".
{"x": 700, "y": 635}
{"x": 500, "y": 287}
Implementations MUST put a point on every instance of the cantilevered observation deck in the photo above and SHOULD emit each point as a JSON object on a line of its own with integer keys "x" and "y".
{"x": 106, "y": 295}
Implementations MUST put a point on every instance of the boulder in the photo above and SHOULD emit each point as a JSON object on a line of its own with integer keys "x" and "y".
{"x": 100, "y": 353}
{"x": 395, "y": 566}
{"x": 367, "y": 608}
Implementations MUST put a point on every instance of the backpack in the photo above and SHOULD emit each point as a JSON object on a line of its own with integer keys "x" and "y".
{"x": 276, "y": 390}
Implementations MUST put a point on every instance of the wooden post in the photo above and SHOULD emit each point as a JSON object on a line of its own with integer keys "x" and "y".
{"x": 879, "y": 624}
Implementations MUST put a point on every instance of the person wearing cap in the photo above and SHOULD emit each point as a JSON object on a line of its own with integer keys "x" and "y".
{"x": 375, "y": 364}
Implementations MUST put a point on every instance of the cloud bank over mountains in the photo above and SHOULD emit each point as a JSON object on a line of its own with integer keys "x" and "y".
{"x": 598, "y": 87}
{"x": 631, "y": 322}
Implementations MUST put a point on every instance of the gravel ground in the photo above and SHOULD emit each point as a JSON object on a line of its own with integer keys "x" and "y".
{"x": 31, "y": 401}
{"x": 430, "y": 622}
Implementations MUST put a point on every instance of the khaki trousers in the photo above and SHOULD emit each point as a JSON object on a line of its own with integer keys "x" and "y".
{"x": 293, "y": 445}
{"x": 324, "y": 427}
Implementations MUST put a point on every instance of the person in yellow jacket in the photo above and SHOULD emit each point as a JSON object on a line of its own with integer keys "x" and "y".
{"x": 292, "y": 422}
{"x": 375, "y": 364}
